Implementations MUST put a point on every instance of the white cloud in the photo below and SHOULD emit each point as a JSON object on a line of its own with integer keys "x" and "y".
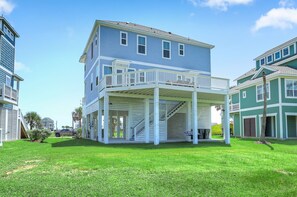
{"x": 19, "y": 66}
{"x": 279, "y": 18}
{"x": 219, "y": 4}
{"x": 6, "y": 7}
{"x": 286, "y": 3}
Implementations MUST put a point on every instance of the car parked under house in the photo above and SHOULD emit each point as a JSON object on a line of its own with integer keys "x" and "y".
{"x": 151, "y": 86}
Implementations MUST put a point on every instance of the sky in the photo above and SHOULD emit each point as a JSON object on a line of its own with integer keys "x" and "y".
{"x": 53, "y": 34}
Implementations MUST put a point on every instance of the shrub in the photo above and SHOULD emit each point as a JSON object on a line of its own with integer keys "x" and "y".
{"x": 78, "y": 133}
{"x": 217, "y": 129}
{"x": 39, "y": 135}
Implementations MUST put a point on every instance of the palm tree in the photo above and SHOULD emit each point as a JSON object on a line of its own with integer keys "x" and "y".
{"x": 77, "y": 115}
{"x": 33, "y": 119}
{"x": 262, "y": 137}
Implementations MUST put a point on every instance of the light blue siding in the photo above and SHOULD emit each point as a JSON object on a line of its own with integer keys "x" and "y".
{"x": 196, "y": 58}
{"x": 7, "y": 55}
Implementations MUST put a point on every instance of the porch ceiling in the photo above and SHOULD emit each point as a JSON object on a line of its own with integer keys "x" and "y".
{"x": 178, "y": 94}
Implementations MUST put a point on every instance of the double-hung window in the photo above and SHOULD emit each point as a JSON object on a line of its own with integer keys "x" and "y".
{"x": 166, "y": 49}
{"x": 291, "y": 88}
{"x": 141, "y": 45}
{"x": 260, "y": 92}
{"x": 269, "y": 59}
{"x": 92, "y": 82}
{"x": 97, "y": 75}
{"x": 181, "y": 49}
{"x": 124, "y": 38}
{"x": 262, "y": 61}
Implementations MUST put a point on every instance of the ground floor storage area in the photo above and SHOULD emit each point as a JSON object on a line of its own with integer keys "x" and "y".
{"x": 249, "y": 127}
{"x": 292, "y": 126}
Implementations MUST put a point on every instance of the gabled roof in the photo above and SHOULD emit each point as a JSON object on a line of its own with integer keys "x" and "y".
{"x": 277, "y": 48}
{"x": 261, "y": 69}
{"x": 247, "y": 74}
{"x": 127, "y": 26}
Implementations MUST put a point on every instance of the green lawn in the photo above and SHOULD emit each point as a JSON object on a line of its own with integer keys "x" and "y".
{"x": 68, "y": 167}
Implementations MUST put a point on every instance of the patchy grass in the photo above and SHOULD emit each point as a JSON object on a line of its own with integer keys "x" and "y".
{"x": 69, "y": 167}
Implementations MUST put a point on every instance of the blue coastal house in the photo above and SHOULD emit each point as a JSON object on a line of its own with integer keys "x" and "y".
{"x": 147, "y": 85}
{"x": 12, "y": 125}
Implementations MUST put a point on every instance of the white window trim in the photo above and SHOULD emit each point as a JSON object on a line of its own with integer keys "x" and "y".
{"x": 268, "y": 96}
{"x": 244, "y": 94}
{"x": 9, "y": 78}
{"x": 123, "y": 32}
{"x": 286, "y": 95}
{"x": 144, "y": 76}
{"x": 268, "y": 62}
{"x": 279, "y": 55}
{"x": 163, "y": 49}
{"x": 105, "y": 65}
{"x": 261, "y": 61}
{"x": 97, "y": 75}
{"x": 288, "y": 51}
{"x": 145, "y": 46}
{"x": 180, "y": 44}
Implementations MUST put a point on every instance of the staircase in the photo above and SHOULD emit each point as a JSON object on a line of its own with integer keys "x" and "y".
{"x": 138, "y": 129}
{"x": 24, "y": 127}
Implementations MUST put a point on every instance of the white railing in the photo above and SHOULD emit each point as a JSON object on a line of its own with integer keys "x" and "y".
{"x": 7, "y": 92}
{"x": 234, "y": 107}
{"x": 164, "y": 77}
{"x": 23, "y": 121}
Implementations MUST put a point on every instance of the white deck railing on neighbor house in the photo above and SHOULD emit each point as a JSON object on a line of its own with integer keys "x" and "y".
{"x": 8, "y": 93}
{"x": 164, "y": 77}
{"x": 234, "y": 107}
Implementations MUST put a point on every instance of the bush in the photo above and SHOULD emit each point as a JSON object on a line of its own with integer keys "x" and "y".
{"x": 39, "y": 135}
{"x": 78, "y": 133}
{"x": 217, "y": 129}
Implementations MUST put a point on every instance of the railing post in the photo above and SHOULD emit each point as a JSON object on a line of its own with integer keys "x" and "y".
{"x": 157, "y": 77}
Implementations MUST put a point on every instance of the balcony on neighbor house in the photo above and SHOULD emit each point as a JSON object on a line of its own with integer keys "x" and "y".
{"x": 234, "y": 107}
{"x": 8, "y": 95}
{"x": 165, "y": 79}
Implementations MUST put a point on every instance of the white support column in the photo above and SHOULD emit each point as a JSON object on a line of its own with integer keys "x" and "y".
{"x": 106, "y": 117}
{"x": 195, "y": 117}
{"x": 189, "y": 124}
{"x": 99, "y": 122}
{"x": 6, "y": 125}
{"x": 92, "y": 126}
{"x": 156, "y": 116}
{"x": 226, "y": 120}
{"x": 147, "y": 120}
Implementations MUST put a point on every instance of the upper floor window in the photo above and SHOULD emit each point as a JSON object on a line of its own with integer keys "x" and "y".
{"x": 181, "y": 49}
{"x": 260, "y": 92}
{"x": 92, "y": 51}
{"x": 291, "y": 88}
{"x": 141, "y": 45}
{"x": 8, "y": 33}
{"x": 166, "y": 48}
{"x": 92, "y": 81}
{"x": 244, "y": 94}
{"x": 262, "y": 61}
{"x": 96, "y": 40}
{"x": 124, "y": 38}
{"x": 107, "y": 70}
{"x": 277, "y": 55}
{"x": 269, "y": 59}
{"x": 8, "y": 80}
{"x": 97, "y": 75}
{"x": 286, "y": 52}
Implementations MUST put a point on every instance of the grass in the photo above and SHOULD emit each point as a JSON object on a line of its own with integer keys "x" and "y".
{"x": 69, "y": 167}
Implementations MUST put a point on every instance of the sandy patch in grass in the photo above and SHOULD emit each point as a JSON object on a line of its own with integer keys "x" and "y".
{"x": 285, "y": 172}
{"x": 21, "y": 168}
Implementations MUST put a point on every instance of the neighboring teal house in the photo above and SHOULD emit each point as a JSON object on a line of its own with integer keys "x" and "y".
{"x": 280, "y": 67}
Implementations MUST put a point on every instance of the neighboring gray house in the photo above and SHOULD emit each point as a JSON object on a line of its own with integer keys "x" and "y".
{"x": 48, "y": 123}
{"x": 12, "y": 124}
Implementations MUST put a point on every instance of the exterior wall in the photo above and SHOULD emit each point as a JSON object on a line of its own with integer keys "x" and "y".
{"x": 177, "y": 126}
{"x": 7, "y": 54}
{"x": 288, "y": 110}
{"x": 195, "y": 58}
{"x": 250, "y": 100}
{"x": 9, "y": 120}
{"x": 236, "y": 126}
{"x": 244, "y": 79}
{"x": 235, "y": 98}
{"x": 284, "y": 99}
{"x": 292, "y": 64}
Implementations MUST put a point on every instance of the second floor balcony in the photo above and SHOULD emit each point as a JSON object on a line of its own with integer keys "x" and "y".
{"x": 234, "y": 107}
{"x": 165, "y": 79}
{"x": 8, "y": 95}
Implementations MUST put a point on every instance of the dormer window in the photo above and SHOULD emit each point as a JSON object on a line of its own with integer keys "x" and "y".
{"x": 166, "y": 48}
{"x": 277, "y": 55}
{"x": 124, "y": 38}
{"x": 286, "y": 52}
{"x": 262, "y": 61}
{"x": 269, "y": 59}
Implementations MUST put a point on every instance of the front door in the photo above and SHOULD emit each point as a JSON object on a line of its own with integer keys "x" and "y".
{"x": 250, "y": 127}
